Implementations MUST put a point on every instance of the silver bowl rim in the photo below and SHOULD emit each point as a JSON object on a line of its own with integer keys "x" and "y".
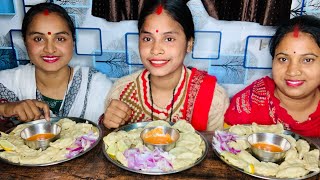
{"x": 41, "y": 140}
{"x": 273, "y": 134}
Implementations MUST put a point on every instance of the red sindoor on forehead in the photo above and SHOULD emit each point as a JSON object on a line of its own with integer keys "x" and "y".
{"x": 159, "y": 9}
{"x": 46, "y": 12}
{"x": 296, "y": 31}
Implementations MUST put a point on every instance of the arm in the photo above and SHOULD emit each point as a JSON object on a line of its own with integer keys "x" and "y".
{"x": 117, "y": 112}
{"x": 25, "y": 110}
{"x": 218, "y": 107}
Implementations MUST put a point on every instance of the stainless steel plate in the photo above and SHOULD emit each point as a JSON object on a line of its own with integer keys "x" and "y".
{"x": 141, "y": 125}
{"x": 56, "y": 119}
{"x": 296, "y": 136}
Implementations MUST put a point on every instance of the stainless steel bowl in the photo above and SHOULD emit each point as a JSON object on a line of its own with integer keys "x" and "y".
{"x": 166, "y": 130}
{"x": 268, "y": 138}
{"x": 40, "y": 128}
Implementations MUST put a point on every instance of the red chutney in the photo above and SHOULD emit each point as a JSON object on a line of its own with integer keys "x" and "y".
{"x": 40, "y": 137}
{"x": 156, "y": 136}
{"x": 267, "y": 147}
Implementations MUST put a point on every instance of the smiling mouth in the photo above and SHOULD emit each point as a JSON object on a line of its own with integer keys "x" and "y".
{"x": 294, "y": 83}
{"x": 158, "y": 63}
{"x": 50, "y": 59}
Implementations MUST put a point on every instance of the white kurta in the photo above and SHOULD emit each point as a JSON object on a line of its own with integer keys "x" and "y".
{"x": 85, "y": 97}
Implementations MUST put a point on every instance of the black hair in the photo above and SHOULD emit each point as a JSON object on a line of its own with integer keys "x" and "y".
{"x": 42, "y": 8}
{"x": 177, "y": 9}
{"x": 306, "y": 23}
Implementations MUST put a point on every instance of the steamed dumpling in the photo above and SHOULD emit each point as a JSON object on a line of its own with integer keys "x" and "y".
{"x": 292, "y": 172}
{"x": 246, "y": 156}
{"x": 241, "y": 129}
{"x": 276, "y": 128}
{"x": 266, "y": 168}
{"x": 302, "y": 147}
{"x": 311, "y": 159}
{"x": 157, "y": 123}
{"x": 183, "y": 126}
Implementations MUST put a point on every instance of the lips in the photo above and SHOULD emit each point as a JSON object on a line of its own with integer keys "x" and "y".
{"x": 158, "y": 62}
{"x": 50, "y": 59}
{"x": 294, "y": 83}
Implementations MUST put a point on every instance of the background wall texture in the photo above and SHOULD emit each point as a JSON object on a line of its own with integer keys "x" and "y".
{"x": 234, "y": 51}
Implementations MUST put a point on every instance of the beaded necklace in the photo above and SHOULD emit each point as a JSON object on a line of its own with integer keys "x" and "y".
{"x": 151, "y": 98}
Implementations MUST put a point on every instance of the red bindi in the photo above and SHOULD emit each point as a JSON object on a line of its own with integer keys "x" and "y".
{"x": 157, "y": 31}
{"x": 296, "y": 31}
{"x": 46, "y": 12}
{"x": 159, "y": 9}
{"x": 49, "y": 33}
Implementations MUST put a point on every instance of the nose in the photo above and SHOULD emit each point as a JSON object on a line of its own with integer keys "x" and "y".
{"x": 157, "y": 48}
{"x": 49, "y": 47}
{"x": 293, "y": 69}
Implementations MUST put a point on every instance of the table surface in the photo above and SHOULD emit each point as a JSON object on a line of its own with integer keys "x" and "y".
{"x": 94, "y": 165}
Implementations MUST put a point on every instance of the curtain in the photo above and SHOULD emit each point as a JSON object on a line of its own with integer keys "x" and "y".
{"x": 116, "y": 10}
{"x": 264, "y": 12}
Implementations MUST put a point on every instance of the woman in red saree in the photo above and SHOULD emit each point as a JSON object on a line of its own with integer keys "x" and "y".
{"x": 292, "y": 96}
{"x": 166, "y": 89}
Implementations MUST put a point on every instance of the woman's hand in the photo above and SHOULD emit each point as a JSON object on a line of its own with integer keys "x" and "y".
{"x": 26, "y": 110}
{"x": 116, "y": 114}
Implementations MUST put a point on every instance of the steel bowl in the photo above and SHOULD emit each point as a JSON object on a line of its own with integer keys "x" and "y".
{"x": 40, "y": 128}
{"x": 268, "y": 138}
{"x": 166, "y": 130}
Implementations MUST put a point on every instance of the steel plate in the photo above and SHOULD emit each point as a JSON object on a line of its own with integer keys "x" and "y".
{"x": 296, "y": 136}
{"x": 141, "y": 125}
{"x": 56, "y": 119}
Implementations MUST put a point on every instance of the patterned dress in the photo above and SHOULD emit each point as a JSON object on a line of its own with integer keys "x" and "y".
{"x": 85, "y": 97}
{"x": 197, "y": 98}
{"x": 257, "y": 103}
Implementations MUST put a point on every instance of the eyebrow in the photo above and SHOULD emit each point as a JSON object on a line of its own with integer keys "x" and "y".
{"x": 58, "y": 33}
{"x": 312, "y": 54}
{"x": 169, "y": 32}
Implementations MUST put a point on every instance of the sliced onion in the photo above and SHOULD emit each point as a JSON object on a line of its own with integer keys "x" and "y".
{"x": 221, "y": 139}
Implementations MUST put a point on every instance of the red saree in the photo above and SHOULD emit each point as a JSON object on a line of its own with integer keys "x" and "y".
{"x": 257, "y": 103}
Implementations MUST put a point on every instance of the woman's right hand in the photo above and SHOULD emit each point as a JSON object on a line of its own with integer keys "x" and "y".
{"x": 116, "y": 114}
{"x": 26, "y": 110}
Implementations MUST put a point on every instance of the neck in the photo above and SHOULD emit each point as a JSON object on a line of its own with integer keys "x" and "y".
{"x": 166, "y": 83}
{"x": 299, "y": 104}
{"x": 53, "y": 79}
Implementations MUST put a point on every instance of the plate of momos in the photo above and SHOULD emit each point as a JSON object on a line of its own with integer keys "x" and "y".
{"x": 301, "y": 161}
{"x": 124, "y": 144}
{"x": 77, "y": 137}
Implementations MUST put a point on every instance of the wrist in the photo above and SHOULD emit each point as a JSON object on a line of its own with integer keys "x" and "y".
{"x": 3, "y": 104}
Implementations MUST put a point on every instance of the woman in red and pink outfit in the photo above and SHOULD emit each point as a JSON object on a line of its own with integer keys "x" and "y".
{"x": 292, "y": 96}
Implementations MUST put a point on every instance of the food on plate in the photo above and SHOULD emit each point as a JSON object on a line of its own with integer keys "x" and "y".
{"x": 74, "y": 139}
{"x": 127, "y": 148}
{"x": 41, "y": 136}
{"x": 157, "y": 136}
{"x": 6, "y": 145}
{"x": 267, "y": 147}
{"x": 300, "y": 160}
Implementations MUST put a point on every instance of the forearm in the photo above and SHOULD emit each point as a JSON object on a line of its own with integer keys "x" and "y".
{"x": 218, "y": 108}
